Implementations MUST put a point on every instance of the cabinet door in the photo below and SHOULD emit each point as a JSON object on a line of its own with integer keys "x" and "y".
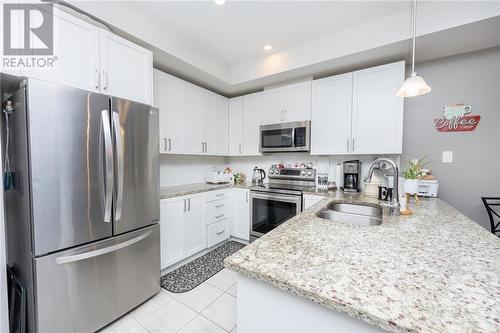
{"x": 252, "y": 117}
{"x": 310, "y": 200}
{"x": 76, "y": 46}
{"x": 195, "y": 226}
{"x": 221, "y": 125}
{"x": 126, "y": 68}
{"x": 240, "y": 213}
{"x": 297, "y": 101}
{"x": 377, "y": 111}
{"x": 172, "y": 224}
{"x": 235, "y": 126}
{"x": 272, "y": 106}
{"x": 208, "y": 121}
{"x": 192, "y": 129}
{"x": 331, "y": 115}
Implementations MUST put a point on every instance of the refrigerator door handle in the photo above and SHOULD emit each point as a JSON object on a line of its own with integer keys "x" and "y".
{"x": 99, "y": 252}
{"x": 119, "y": 165}
{"x": 108, "y": 152}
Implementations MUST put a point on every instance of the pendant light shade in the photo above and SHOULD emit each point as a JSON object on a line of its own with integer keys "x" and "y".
{"x": 415, "y": 85}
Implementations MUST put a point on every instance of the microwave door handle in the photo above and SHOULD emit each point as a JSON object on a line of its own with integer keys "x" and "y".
{"x": 294, "y": 144}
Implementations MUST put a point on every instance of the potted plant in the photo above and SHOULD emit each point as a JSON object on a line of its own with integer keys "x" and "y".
{"x": 413, "y": 174}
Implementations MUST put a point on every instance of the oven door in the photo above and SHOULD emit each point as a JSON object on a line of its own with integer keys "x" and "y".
{"x": 293, "y": 136}
{"x": 269, "y": 210}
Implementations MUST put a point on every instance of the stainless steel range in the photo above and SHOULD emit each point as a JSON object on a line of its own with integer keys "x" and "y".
{"x": 278, "y": 201}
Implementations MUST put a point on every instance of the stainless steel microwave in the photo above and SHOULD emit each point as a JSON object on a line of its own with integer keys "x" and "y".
{"x": 283, "y": 137}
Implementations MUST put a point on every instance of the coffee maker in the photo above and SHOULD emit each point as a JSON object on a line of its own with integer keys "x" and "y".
{"x": 352, "y": 175}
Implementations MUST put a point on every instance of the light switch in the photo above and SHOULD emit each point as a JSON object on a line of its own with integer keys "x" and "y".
{"x": 447, "y": 157}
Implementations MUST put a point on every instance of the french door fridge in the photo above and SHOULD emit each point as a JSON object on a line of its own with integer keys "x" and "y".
{"x": 82, "y": 217}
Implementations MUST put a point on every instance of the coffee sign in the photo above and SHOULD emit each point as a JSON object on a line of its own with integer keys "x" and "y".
{"x": 457, "y": 118}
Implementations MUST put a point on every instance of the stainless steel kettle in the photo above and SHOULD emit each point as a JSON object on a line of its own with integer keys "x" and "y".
{"x": 258, "y": 176}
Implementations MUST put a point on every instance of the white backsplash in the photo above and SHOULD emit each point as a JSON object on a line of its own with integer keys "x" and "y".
{"x": 323, "y": 164}
{"x": 186, "y": 169}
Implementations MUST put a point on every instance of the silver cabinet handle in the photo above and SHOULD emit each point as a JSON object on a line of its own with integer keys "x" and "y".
{"x": 353, "y": 141}
{"x": 219, "y": 195}
{"x": 348, "y": 144}
{"x": 185, "y": 205}
{"x": 95, "y": 253}
{"x": 220, "y": 232}
{"x": 247, "y": 196}
{"x": 281, "y": 115}
{"x": 108, "y": 161}
{"x": 105, "y": 80}
{"x": 119, "y": 165}
{"x": 165, "y": 144}
{"x": 189, "y": 205}
{"x": 219, "y": 216}
{"x": 285, "y": 115}
{"x": 97, "y": 79}
{"x": 240, "y": 148}
{"x": 206, "y": 147}
{"x": 169, "y": 144}
{"x": 219, "y": 206}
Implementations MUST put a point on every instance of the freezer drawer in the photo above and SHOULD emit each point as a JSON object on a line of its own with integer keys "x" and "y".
{"x": 84, "y": 289}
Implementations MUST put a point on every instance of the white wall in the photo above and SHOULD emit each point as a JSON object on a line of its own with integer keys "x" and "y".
{"x": 186, "y": 169}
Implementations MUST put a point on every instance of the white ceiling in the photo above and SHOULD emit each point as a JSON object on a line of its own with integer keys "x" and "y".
{"x": 237, "y": 31}
{"x": 221, "y": 47}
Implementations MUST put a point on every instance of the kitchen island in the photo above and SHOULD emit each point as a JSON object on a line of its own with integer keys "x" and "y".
{"x": 435, "y": 271}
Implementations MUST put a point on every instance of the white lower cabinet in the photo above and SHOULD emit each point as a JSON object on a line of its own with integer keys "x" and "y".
{"x": 309, "y": 200}
{"x": 240, "y": 213}
{"x": 218, "y": 232}
{"x": 217, "y": 216}
{"x": 182, "y": 228}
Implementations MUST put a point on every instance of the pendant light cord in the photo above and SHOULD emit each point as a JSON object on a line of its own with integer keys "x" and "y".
{"x": 414, "y": 36}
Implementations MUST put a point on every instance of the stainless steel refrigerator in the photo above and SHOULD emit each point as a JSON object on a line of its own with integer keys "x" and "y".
{"x": 82, "y": 216}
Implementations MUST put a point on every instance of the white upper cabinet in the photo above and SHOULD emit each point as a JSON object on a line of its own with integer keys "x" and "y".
{"x": 235, "y": 126}
{"x": 273, "y": 108}
{"x": 359, "y": 112}
{"x": 331, "y": 115}
{"x": 288, "y": 103}
{"x": 221, "y": 143}
{"x": 94, "y": 59}
{"x": 377, "y": 119}
{"x": 169, "y": 99}
{"x": 192, "y": 123}
{"x": 76, "y": 46}
{"x": 297, "y": 101}
{"x": 252, "y": 117}
{"x": 126, "y": 68}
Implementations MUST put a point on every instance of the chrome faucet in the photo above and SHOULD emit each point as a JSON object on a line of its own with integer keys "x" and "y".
{"x": 380, "y": 163}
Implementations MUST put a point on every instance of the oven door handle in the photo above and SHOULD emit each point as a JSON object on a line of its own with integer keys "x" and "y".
{"x": 277, "y": 197}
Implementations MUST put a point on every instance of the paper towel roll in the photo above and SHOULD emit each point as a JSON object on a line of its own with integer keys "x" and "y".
{"x": 338, "y": 175}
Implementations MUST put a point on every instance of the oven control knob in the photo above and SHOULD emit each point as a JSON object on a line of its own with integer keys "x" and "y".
{"x": 303, "y": 173}
{"x": 309, "y": 173}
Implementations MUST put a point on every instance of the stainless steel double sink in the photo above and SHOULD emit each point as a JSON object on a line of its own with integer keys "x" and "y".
{"x": 357, "y": 214}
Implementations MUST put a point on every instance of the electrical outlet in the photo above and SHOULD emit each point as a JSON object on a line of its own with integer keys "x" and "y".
{"x": 447, "y": 156}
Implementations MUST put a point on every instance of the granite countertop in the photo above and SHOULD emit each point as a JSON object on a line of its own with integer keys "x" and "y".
{"x": 436, "y": 271}
{"x": 180, "y": 190}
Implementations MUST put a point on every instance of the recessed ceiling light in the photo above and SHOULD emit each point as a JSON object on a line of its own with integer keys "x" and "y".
{"x": 268, "y": 47}
{"x": 220, "y": 2}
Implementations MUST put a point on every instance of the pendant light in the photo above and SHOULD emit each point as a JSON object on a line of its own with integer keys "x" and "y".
{"x": 415, "y": 85}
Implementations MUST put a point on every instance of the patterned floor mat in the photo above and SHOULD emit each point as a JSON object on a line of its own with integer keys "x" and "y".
{"x": 199, "y": 270}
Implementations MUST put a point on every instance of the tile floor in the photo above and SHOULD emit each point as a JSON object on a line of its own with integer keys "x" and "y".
{"x": 210, "y": 307}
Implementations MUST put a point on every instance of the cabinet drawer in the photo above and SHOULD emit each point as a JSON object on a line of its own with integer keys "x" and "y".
{"x": 217, "y": 232}
{"x": 217, "y": 210}
{"x": 216, "y": 195}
